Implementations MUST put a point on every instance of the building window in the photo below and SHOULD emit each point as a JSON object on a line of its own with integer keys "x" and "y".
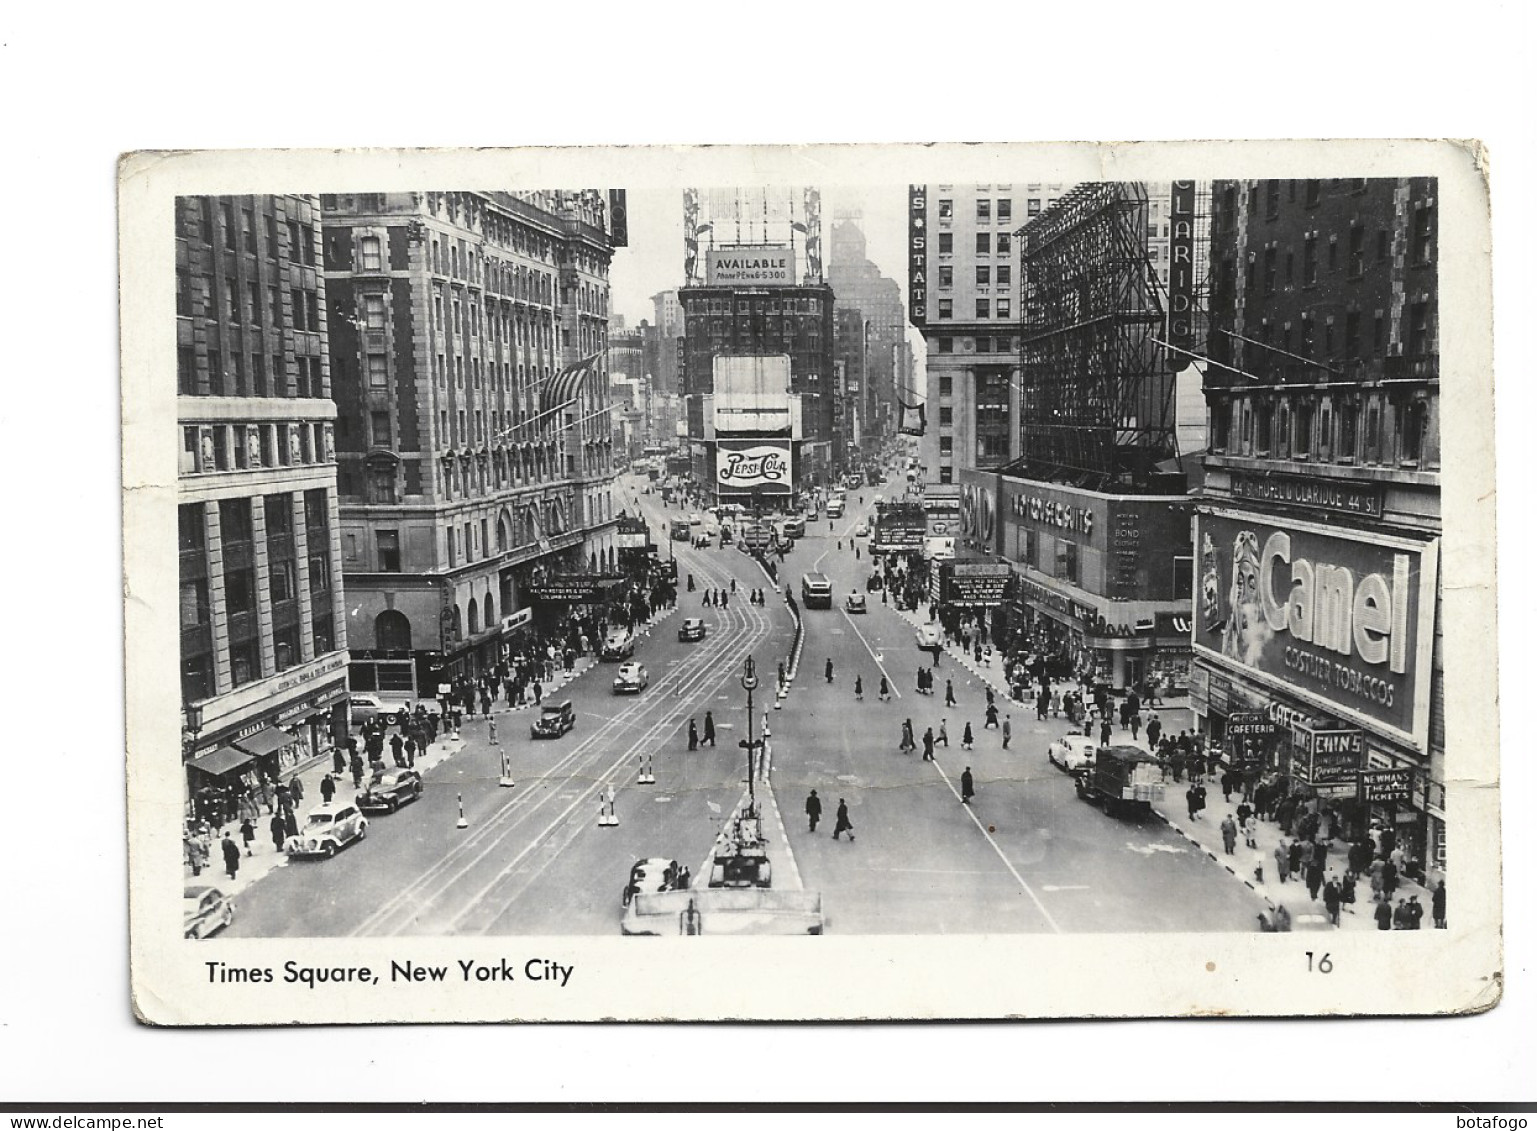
{"x": 946, "y": 444}
{"x": 984, "y": 275}
{"x": 983, "y": 308}
{"x": 1005, "y": 274}
{"x": 379, "y": 429}
{"x": 946, "y": 208}
{"x": 378, "y": 371}
{"x": 984, "y": 211}
{"x": 1379, "y": 335}
{"x": 946, "y": 276}
{"x": 1424, "y": 222}
{"x": 1272, "y": 199}
{"x": 370, "y": 253}
{"x": 1411, "y": 438}
{"x": 373, "y": 311}
{"x": 946, "y": 344}
{"x": 1384, "y": 244}
{"x": 945, "y": 416}
{"x": 1005, "y": 211}
{"x": 984, "y": 243}
{"x": 1353, "y": 334}
{"x": 1270, "y": 265}
{"x": 1302, "y": 442}
{"x": 388, "y": 545}
{"x": 1309, "y": 260}
{"x": 946, "y": 243}
{"x": 1357, "y": 264}
{"x": 1262, "y": 429}
{"x": 1419, "y": 329}
{"x": 1310, "y": 194}
{"x": 946, "y": 385}
{"x": 946, "y": 308}
{"x": 1005, "y": 307}
{"x": 1067, "y": 561}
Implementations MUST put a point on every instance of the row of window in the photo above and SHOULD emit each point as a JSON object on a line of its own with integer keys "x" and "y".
{"x": 985, "y": 308}
{"x": 211, "y": 448}
{"x": 247, "y": 621}
{"x": 1000, "y": 210}
{"x": 718, "y": 304}
{"x": 237, "y": 374}
{"x": 1340, "y": 339}
{"x": 1370, "y": 431}
{"x": 245, "y": 236}
{"x": 944, "y": 343}
{"x": 986, "y": 273}
{"x": 987, "y": 243}
{"x": 198, "y": 296}
{"x": 1274, "y": 268}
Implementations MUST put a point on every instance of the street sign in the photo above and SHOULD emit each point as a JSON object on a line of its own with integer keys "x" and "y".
{"x": 1386, "y": 786}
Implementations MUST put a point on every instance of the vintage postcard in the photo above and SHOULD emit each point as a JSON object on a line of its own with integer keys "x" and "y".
{"x": 801, "y": 583}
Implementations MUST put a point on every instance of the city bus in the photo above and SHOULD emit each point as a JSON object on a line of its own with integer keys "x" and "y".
{"x": 816, "y": 591}
{"x": 682, "y": 530}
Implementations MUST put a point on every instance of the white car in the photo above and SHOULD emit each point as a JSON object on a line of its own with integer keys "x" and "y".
{"x": 862, "y": 530}
{"x": 328, "y": 828}
{"x": 927, "y": 636}
{"x": 1072, "y": 751}
{"x": 854, "y": 602}
{"x": 631, "y": 678}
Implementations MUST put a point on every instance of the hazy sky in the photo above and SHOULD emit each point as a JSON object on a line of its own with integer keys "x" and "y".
{"x": 654, "y": 260}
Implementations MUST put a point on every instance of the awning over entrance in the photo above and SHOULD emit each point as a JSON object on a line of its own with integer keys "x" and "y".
{"x": 221, "y": 761}
{"x": 268, "y": 741}
{"x": 566, "y": 385}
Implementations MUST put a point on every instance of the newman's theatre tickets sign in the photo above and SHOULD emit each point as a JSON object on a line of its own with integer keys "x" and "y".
{"x": 1329, "y": 616}
{"x": 751, "y": 467}
{"x": 750, "y": 266}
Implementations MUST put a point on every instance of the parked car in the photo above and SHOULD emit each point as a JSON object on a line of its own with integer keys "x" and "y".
{"x": 368, "y": 705}
{"x": 652, "y": 874}
{"x": 205, "y": 909}
{"x": 328, "y": 828}
{"x": 618, "y": 645}
{"x": 1071, "y": 751}
{"x": 691, "y": 629}
{"x": 631, "y": 679}
{"x": 854, "y": 602}
{"x": 390, "y": 790}
{"x": 554, "y": 720}
{"x": 927, "y": 636}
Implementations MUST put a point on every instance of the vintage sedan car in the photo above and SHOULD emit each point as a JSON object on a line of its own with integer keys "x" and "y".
{"x": 390, "y": 790}
{"x": 366, "y": 706}
{"x": 927, "y": 636}
{"x": 554, "y": 720}
{"x": 617, "y": 646}
{"x": 328, "y": 828}
{"x": 854, "y": 603}
{"x": 205, "y": 909}
{"x": 1072, "y": 751}
{"x": 652, "y": 874}
{"x": 862, "y": 530}
{"x": 692, "y": 628}
{"x": 631, "y": 679}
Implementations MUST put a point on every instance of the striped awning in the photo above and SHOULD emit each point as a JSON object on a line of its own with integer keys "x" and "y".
{"x": 566, "y": 385}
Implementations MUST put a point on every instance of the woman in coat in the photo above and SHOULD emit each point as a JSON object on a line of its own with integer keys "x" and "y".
{"x": 907, "y": 742}
{"x": 966, "y": 737}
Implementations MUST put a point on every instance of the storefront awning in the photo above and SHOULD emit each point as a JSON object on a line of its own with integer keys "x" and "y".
{"x": 264, "y": 742}
{"x": 221, "y": 761}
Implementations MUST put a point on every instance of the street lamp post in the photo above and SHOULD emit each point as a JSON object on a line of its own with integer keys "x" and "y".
{"x": 749, "y": 684}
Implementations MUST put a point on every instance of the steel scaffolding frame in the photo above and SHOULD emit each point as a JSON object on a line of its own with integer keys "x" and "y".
{"x": 1097, "y": 398}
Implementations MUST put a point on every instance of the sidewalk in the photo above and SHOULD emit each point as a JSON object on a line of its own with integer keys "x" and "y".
{"x": 265, "y": 857}
{"x": 1205, "y": 833}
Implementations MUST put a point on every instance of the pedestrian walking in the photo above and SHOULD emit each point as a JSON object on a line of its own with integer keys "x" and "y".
{"x": 339, "y": 757}
{"x": 1294, "y": 857}
{"x": 494, "y": 741}
{"x": 859, "y": 688}
{"x": 968, "y": 786}
{"x": 709, "y": 728}
{"x": 828, "y": 671}
{"x": 1315, "y": 878}
{"x": 279, "y": 831}
{"x": 1389, "y": 879}
{"x": 1136, "y": 724}
{"x": 1154, "y": 729}
{"x": 928, "y": 744}
{"x": 247, "y": 834}
{"x": 907, "y": 742}
{"x": 943, "y": 735}
{"x": 885, "y": 690}
{"x": 1190, "y": 808}
{"x": 949, "y": 693}
{"x": 1282, "y": 859}
{"x": 1384, "y": 916}
{"x": 842, "y": 824}
{"x": 1104, "y": 732}
{"x": 1438, "y": 906}
{"x": 992, "y": 717}
{"x": 231, "y": 855}
{"x": 357, "y": 771}
{"x": 327, "y": 789}
{"x": 1229, "y": 834}
{"x": 966, "y": 738}
{"x": 813, "y": 810}
{"x": 1008, "y": 729}
{"x": 1332, "y": 901}
{"x": 1414, "y": 913}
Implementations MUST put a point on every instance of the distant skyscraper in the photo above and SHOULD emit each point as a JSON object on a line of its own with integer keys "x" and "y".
{"x": 876, "y": 350}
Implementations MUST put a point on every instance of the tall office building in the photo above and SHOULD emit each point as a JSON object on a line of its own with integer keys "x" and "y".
{"x": 875, "y": 349}
{"x": 263, "y": 629}
{"x": 964, "y": 297}
{"x": 468, "y": 347}
{"x": 1317, "y": 627}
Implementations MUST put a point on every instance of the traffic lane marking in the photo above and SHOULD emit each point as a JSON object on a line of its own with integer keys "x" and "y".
{"x": 878, "y": 661}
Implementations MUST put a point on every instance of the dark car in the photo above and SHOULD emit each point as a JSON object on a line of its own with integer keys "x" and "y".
{"x": 691, "y": 629}
{"x": 390, "y": 790}
{"x": 554, "y": 720}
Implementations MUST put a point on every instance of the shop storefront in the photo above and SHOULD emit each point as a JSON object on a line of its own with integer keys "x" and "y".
{"x": 1312, "y": 660}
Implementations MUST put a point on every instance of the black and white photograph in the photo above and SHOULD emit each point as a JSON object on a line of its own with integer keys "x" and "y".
{"x": 820, "y": 558}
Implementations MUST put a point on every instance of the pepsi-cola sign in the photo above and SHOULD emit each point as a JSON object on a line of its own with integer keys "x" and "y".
{"x": 754, "y": 467}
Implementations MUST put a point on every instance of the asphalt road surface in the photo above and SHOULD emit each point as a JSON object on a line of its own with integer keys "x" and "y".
{"x": 1026, "y": 857}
